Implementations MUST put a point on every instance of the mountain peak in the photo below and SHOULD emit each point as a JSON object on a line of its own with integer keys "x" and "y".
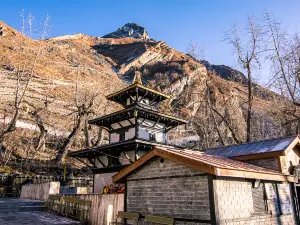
{"x": 129, "y": 30}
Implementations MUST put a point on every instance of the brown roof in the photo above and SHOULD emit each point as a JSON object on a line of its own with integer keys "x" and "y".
{"x": 216, "y": 165}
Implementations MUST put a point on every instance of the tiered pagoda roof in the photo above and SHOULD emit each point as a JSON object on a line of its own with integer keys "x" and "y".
{"x": 138, "y": 102}
{"x": 136, "y": 110}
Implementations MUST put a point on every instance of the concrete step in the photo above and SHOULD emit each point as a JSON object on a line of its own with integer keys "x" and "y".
{"x": 23, "y": 209}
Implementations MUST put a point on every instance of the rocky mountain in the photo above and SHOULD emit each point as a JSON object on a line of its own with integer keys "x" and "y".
{"x": 129, "y": 30}
{"x": 72, "y": 69}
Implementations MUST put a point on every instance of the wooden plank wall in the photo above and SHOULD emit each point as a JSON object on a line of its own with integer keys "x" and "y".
{"x": 39, "y": 191}
{"x": 104, "y": 208}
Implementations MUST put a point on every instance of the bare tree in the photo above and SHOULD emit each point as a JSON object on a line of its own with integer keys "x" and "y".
{"x": 84, "y": 103}
{"x": 24, "y": 73}
{"x": 248, "y": 57}
{"x": 283, "y": 50}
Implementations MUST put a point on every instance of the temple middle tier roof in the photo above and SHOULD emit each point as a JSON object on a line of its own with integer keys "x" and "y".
{"x": 137, "y": 112}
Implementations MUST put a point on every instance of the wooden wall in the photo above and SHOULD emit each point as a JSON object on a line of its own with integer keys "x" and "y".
{"x": 39, "y": 191}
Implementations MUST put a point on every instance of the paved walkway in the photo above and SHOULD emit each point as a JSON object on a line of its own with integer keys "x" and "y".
{"x": 15, "y": 211}
{"x": 34, "y": 218}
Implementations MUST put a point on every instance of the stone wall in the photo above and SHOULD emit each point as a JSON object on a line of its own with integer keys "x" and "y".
{"x": 233, "y": 198}
{"x": 234, "y": 205}
{"x": 261, "y": 219}
{"x": 166, "y": 188}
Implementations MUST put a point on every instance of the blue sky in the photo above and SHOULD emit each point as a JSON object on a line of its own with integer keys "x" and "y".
{"x": 178, "y": 22}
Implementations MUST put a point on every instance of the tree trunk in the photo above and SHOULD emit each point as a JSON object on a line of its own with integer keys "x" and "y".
{"x": 99, "y": 138}
{"x": 250, "y": 100}
{"x": 79, "y": 123}
{"x": 86, "y": 133}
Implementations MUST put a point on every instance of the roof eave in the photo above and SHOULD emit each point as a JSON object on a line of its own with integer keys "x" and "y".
{"x": 94, "y": 121}
{"x": 264, "y": 155}
{"x": 256, "y": 175}
{"x": 222, "y": 172}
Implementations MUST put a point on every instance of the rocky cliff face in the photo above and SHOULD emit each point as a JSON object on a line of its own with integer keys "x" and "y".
{"x": 129, "y": 30}
{"x": 97, "y": 66}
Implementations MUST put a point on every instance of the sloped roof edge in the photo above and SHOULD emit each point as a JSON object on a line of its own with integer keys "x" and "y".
{"x": 214, "y": 165}
{"x": 257, "y": 150}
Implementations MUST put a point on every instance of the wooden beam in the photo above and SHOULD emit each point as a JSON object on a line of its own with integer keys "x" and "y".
{"x": 119, "y": 176}
{"x": 83, "y": 162}
{"x": 100, "y": 161}
{"x": 255, "y": 175}
{"x": 92, "y": 162}
{"x": 292, "y": 145}
{"x": 127, "y": 157}
{"x": 109, "y": 169}
{"x": 143, "y": 96}
{"x": 264, "y": 155}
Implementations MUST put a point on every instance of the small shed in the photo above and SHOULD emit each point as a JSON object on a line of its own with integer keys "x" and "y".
{"x": 195, "y": 188}
{"x": 280, "y": 154}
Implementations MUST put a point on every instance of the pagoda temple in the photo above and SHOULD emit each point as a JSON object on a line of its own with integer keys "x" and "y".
{"x": 133, "y": 131}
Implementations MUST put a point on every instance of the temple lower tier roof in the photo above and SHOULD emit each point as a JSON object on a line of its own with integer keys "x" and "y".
{"x": 118, "y": 146}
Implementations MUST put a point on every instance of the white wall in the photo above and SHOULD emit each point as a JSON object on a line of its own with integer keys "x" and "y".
{"x": 101, "y": 180}
{"x": 114, "y": 138}
{"x": 144, "y": 133}
{"x": 130, "y": 133}
{"x": 40, "y": 191}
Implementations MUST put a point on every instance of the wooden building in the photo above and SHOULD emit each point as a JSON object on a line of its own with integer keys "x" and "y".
{"x": 133, "y": 131}
{"x": 197, "y": 188}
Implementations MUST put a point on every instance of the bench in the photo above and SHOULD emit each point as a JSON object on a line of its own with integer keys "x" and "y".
{"x": 76, "y": 208}
{"x": 69, "y": 206}
{"x": 126, "y": 215}
{"x": 52, "y": 201}
{"x": 159, "y": 220}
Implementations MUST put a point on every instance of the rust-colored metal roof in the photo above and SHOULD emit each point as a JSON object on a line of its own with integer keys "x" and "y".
{"x": 216, "y": 165}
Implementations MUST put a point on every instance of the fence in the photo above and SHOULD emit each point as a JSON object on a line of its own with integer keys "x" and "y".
{"x": 10, "y": 184}
{"x": 103, "y": 210}
{"x": 39, "y": 191}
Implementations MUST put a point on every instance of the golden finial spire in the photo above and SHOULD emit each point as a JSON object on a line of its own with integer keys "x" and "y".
{"x": 137, "y": 78}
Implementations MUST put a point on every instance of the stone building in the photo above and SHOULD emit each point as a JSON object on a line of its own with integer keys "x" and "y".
{"x": 197, "y": 188}
{"x": 280, "y": 154}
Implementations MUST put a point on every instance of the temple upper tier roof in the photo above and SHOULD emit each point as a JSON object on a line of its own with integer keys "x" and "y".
{"x": 137, "y": 89}
{"x": 137, "y": 93}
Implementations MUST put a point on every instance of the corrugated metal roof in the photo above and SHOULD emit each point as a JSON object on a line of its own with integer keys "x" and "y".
{"x": 259, "y": 147}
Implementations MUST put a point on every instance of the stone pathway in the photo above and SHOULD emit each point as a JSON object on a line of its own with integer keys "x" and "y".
{"x": 29, "y": 212}
{"x": 35, "y": 218}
